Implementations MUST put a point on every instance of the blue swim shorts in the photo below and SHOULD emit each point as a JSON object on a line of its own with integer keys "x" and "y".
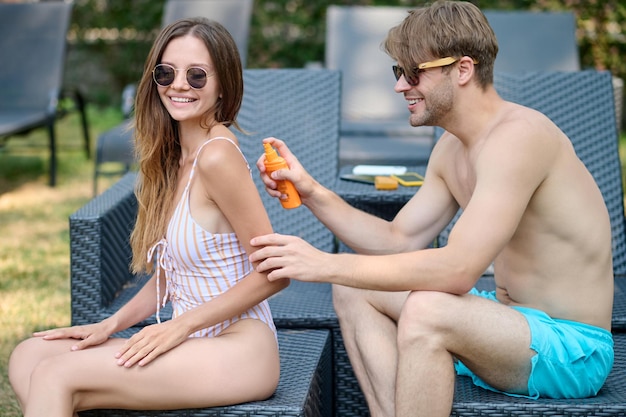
{"x": 573, "y": 359}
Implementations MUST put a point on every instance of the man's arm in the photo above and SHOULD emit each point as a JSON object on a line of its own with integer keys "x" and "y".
{"x": 508, "y": 170}
{"x": 415, "y": 227}
{"x": 495, "y": 202}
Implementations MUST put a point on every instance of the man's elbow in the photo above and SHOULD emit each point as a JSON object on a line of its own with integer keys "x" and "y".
{"x": 463, "y": 279}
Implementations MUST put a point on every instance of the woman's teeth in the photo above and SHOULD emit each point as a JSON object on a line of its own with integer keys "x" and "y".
{"x": 181, "y": 99}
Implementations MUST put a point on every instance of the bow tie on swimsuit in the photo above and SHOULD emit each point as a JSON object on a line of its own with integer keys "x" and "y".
{"x": 164, "y": 262}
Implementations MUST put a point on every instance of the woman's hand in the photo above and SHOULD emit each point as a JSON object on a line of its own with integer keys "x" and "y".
{"x": 150, "y": 342}
{"x": 89, "y": 335}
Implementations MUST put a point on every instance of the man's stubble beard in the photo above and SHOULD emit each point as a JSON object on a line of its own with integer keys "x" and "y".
{"x": 438, "y": 105}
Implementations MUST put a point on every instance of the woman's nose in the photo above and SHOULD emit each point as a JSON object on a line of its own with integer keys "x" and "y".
{"x": 180, "y": 80}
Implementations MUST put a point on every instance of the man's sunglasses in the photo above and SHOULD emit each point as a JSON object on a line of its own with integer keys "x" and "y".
{"x": 413, "y": 79}
{"x": 164, "y": 75}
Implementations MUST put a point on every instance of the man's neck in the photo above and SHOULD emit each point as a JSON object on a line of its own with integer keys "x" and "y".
{"x": 474, "y": 113}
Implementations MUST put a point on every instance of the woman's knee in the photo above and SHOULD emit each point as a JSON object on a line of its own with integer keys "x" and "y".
{"x": 35, "y": 361}
{"x": 21, "y": 364}
{"x": 23, "y": 360}
{"x": 53, "y": 375}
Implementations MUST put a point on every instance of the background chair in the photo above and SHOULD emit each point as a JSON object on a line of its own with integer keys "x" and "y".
{"x": 375, "y": 126}
{"x": 541, "y": 41}
{"x": 32, "y": 52}
{"x": 374, "y": 118}
{"x": 115, "y": 146}
{"x": 534, "y": 41}
{"x": 235, "y": 15}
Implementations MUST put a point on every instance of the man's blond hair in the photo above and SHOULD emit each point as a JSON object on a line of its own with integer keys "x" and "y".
{"x": 444, "y": 29}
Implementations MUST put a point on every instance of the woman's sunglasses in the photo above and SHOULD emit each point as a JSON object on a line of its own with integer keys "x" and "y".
{"x": 164, "y": 75}
{"x": 413, "y": 79}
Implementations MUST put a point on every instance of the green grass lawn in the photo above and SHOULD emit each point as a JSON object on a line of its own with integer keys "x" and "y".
{"x": 34, "y": 248}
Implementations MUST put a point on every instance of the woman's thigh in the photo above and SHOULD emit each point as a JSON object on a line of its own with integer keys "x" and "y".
{"x": 241, "y": 364}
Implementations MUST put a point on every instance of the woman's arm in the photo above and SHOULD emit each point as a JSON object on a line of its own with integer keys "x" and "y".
{"x": 228, "y": 183}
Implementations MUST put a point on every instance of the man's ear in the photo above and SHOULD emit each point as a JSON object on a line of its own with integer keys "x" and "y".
{"x": 466, "y": 70}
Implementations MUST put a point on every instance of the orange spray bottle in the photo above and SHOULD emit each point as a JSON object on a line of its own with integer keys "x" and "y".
{"x": 274, "y": 162}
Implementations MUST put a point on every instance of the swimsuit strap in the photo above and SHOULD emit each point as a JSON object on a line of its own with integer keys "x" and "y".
{"x": 195, "y": 161}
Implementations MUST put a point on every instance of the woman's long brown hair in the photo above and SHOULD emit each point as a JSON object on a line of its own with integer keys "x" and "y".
{"x": 157, "y": 144}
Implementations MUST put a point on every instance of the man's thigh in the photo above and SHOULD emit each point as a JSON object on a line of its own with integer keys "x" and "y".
{"x": 386, "y": 302}
{"x": 568, "y": 359}
{"x": 489, "y": 338}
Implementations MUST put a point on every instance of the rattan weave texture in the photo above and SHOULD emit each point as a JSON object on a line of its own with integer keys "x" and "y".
{"x": 305, "y": 305}
{"x": 100, "y": 251}
{"x": 303, "y": 390}
{"x": 302, "y": 108}
{"x": 470, "y": 401}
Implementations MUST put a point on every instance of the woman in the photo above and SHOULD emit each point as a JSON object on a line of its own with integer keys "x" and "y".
{"x": 198, "y": 210}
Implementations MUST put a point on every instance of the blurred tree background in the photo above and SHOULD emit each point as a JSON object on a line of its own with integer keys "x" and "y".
{"x": 109, "y": 39}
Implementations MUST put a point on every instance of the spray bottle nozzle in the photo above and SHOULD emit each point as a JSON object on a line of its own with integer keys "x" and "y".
{"x": 270, "y": 153}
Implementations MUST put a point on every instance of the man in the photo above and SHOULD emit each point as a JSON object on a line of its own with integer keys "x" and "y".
{"x": 409, "y": 314}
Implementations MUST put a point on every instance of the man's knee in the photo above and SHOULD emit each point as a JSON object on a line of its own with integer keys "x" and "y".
{"x": 345, "y": 298}
{"x": 424, "y": 318}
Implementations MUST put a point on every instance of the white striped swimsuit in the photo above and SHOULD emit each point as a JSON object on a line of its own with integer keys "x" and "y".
{"x": 200, "y": 265}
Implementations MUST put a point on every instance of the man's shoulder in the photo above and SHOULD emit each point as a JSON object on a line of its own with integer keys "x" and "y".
{"x": 523, "y": 125}
{"x": 517, "y": 113}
